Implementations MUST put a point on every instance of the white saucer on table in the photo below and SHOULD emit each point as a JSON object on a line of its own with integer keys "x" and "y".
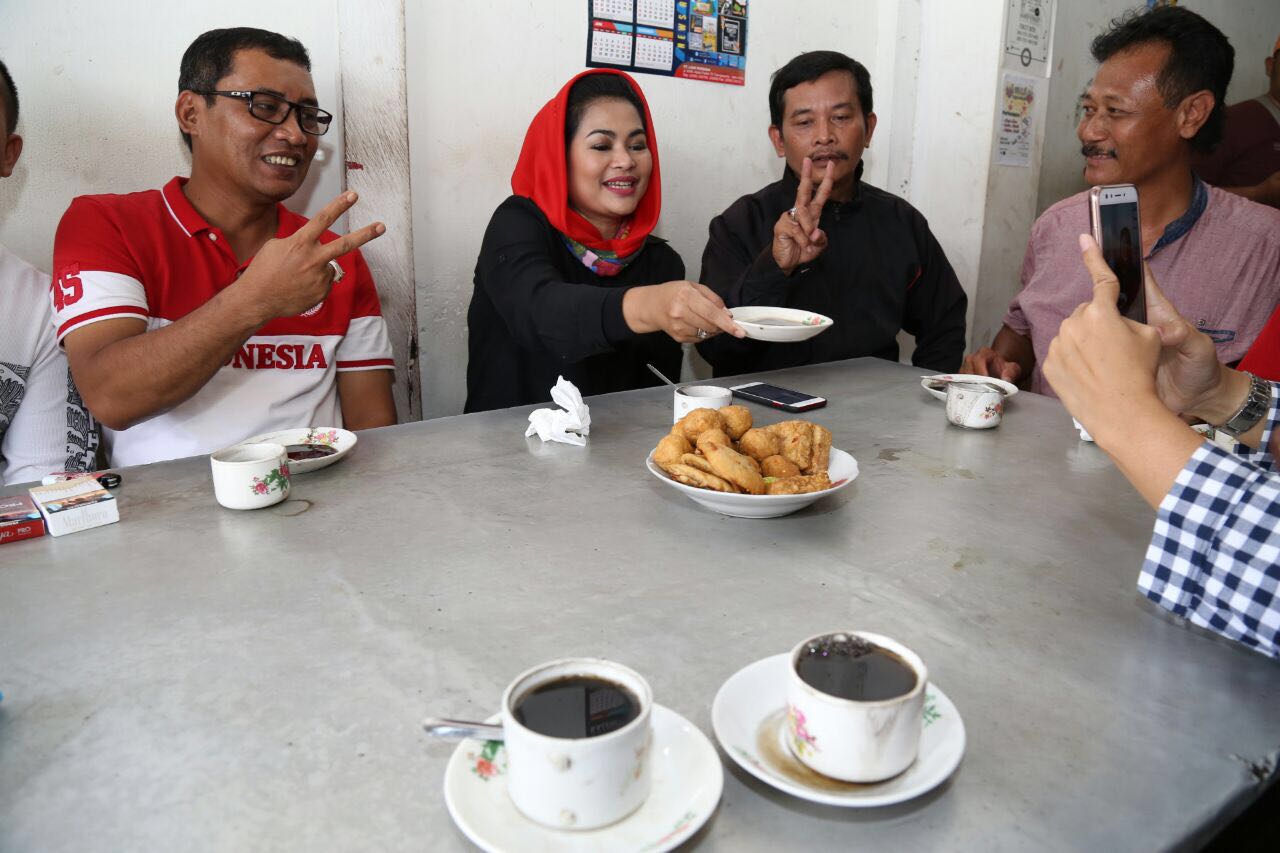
{"x": 748, "y": 716}
{"x": 340, "y": 440}
{"x": 762, "y": 323}
{"x": 687, "y": 781}
{"x": 937, "y": 384}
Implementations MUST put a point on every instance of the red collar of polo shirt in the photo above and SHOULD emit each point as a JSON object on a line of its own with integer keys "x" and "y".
{"x": 192, "y": 223}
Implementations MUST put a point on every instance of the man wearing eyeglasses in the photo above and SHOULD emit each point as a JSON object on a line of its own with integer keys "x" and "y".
{"x": 205, "y": 312}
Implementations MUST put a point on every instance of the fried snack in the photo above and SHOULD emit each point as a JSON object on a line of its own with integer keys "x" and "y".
{"x": 713, "y": 438}
{"x": 693, "y": 460}
{"x": 778, "y": 466}
{"x": 799, "y": 485}
{"x": 670, "y": 449}
{"x": 698, "y": 421}
{"x": 737, "y": 420}
{"x": 797, "y": 442}
{"x": 821, "y": 450}
{"x": 759, "y": 444}
{"x": 753, "y": 463}
{"x": 691, "y": 476}
{"x": 735, "y": 468}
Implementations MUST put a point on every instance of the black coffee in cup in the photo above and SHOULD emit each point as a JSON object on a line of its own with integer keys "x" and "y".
{"x": 850, "y": 667}
{"x": 576, "y": 706}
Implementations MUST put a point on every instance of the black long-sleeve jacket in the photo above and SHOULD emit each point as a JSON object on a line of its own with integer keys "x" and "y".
{"x": 537, "y": 313}
{"x": 882, "y": 271}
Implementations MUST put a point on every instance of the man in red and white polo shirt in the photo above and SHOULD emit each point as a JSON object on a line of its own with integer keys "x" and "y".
{"x": 205, "y": 312}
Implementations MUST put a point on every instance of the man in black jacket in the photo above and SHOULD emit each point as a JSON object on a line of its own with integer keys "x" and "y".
{"x": 821, "y": 240}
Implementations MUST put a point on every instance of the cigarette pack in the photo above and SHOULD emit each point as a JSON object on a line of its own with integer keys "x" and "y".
{"x": 19, "y": 519}
{"x": 75, "y": 505}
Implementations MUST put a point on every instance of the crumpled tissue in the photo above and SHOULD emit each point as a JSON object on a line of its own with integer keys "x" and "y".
{"x": 568, "y": 424}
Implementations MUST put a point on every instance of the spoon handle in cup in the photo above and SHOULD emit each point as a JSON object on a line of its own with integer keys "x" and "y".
{"x": 440, "y": 727}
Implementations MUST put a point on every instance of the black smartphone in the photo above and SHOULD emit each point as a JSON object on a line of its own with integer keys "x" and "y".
{"x": 1113, "y": 219}
{"x": 778, "y": 398}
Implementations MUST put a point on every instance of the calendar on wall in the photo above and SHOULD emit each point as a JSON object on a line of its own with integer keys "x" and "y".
{"x": 693, "y": 39}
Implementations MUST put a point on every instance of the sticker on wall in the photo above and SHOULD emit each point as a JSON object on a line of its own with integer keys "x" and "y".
{"x": 1028, "y": 35}
{"x": 693, "y": 39}
{"x": 1016, "y": 123}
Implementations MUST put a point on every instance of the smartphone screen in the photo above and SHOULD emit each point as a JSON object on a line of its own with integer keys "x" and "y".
{"x": 781, "y": 397}
{"x": 1122, "y": 250}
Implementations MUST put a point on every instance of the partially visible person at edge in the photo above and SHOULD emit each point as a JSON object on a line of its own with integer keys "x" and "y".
{"x": 1214, "y": 556}
{"x": 197, "y": 315}
{"x": 44, "y": 426}
{"x": 1247, "y": 162}
{"x": 1157, "y": 98}
{"x": 821, "y": 240}
{"x": 570, "y": 280}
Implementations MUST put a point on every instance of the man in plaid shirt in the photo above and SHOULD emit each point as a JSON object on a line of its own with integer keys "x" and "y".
{"x": 1215, "y": 555}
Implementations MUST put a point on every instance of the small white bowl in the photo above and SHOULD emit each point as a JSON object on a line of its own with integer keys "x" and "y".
{"x": 799, "y": 326}
{"x": 842, "y": 468}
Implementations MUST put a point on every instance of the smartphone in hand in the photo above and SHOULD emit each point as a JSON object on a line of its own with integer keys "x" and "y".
{"x": 1113, "y": 219}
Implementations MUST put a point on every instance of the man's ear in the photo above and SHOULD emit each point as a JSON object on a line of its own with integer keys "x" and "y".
{"x": 775, "y": 136}
{"x": 871, "y": 128}
{"x": 10, "y": 154}
{"x": 1193, "y": 112}
{"x": 188, "y": 110}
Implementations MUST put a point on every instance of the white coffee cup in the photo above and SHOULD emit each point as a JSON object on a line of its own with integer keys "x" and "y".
{"x": 690, "y": 397}
{"x": 578, "y": 783}
{"x": 852, "y": 740}
{"x": 250, "y": 476}
{"x": 974, "y": 406}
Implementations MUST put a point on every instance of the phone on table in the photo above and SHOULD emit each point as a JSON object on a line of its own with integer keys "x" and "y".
{"x": 778, "y": 398}
{"x": 1113, "y": 219}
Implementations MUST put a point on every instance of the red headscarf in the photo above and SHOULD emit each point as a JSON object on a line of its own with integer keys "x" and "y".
{"x": 542, "y": 175}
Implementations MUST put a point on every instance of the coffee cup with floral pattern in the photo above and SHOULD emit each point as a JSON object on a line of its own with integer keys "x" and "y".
{"x": 250, "y": 476}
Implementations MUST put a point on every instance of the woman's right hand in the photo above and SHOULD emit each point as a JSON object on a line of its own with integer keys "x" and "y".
{"x": 687, "y": 311}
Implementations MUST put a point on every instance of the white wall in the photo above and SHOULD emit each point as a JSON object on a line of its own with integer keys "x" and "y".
{"x": 473, "y": 89}
{"x": 97, "y": 82}
{"x": 1251, "y": 25}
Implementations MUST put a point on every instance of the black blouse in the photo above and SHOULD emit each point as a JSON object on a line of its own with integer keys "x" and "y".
{"x": 537, "y": 312}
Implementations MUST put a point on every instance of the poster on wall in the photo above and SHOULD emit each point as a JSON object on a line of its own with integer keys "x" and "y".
{"x": 1016, "y": 124}
{"x": 693, "y": 39}
{"x": 1028, "y": 35}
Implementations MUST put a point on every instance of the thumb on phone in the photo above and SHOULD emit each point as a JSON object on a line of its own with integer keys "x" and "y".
{"x": 1106, "y": 287}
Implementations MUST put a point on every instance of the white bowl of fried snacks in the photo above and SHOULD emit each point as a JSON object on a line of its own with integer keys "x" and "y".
{"x": 718, "y": 459}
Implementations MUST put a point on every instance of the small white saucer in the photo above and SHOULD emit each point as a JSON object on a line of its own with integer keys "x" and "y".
{"x": 762, "y": 323}
{"x": 340, "y": 440}
{"x": 687, "y": 781}
{"x": 937, "y": 384}
{"x": 748, "y": 715}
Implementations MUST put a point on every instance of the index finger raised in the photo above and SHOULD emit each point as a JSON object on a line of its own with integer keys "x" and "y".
{"x": 328, "y": 215}
{"x": 1106, "y": 287}
{"x": 824, "y": 189}
{"x": 354, "y": 240}
{"x": 804, "y": 192}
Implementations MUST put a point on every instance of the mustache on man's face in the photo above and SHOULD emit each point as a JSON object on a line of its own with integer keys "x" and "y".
{"x": 1096, "y": 151}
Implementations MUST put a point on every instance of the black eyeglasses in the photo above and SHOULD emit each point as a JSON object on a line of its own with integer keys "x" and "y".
{"x": 274, "y": 109}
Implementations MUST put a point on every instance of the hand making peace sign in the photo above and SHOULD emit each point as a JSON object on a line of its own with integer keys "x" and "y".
{"x": 797, "y": 239}
{"x": 291, "y": 274}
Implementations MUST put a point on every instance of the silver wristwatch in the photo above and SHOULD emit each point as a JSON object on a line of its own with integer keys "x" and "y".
{"x": 1255, "y": 408}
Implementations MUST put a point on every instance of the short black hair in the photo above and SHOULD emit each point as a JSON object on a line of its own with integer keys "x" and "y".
{"x": 10, "y": 94}
{"x": 212, "y": 55}
{"x": 598, "y": 87}
{"x": 1200, "y": 57}
{"x": 808, "y": 67}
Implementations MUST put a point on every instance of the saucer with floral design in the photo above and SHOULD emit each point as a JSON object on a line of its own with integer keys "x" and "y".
{"x": 687, "y": 781}
{"x": 749, "y": 716}
{"x": 310, "y": 448}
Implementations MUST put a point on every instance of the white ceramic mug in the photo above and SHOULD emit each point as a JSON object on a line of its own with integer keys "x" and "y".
{"x": 690, "y": 397}
{"x": 250, "y": 476}
{"x": 578, "y": 783}
{"x": 851, "y": 740}
{"x": 974, "y": 406}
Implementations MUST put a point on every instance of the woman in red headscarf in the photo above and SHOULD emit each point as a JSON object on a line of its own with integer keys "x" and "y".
{"x": 570, "y": 281}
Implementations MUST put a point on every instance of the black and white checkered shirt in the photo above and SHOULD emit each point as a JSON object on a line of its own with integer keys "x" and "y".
{"x": 1215, "y": 555}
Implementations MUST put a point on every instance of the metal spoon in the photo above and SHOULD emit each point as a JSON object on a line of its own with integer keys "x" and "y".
{"x": 440, "y": 727}
{"x": 658, "y": 373}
